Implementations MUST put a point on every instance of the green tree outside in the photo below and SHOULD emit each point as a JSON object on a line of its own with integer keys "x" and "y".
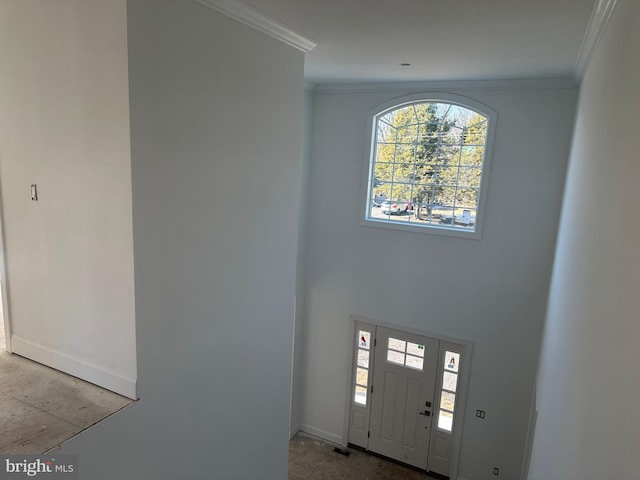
{"x": 430, "y": 154}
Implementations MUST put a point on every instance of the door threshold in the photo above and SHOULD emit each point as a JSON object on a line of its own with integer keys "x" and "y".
{"x": 397, "y": 462}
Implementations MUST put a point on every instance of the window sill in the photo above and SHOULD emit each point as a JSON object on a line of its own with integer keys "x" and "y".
{"x": 430, "y": 230}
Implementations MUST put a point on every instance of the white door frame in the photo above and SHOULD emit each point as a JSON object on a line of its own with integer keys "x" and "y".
{"x": 463, "y": 385}
{"x": 4, "y": 282}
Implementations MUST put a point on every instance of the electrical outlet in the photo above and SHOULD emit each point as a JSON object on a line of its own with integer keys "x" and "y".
{"x": 496, "y": 471}
{"x": 480, "y": 413}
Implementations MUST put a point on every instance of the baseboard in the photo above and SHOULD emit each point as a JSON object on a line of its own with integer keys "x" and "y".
{"x": 66, "y": 363}
{"x": 293, "y": 431}
{"x": 317, "y": 432}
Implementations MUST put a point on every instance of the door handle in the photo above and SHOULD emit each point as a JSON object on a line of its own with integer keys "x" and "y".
{"x": 426, "y": 413}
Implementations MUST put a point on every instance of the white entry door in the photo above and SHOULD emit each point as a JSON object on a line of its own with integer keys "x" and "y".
{"x": 405, "y": 397}
{"x": 404, "y": 383}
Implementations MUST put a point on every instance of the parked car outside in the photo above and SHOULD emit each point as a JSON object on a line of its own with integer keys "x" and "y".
{"x": 378, "y": 200}
{"x": 395, "y": 207}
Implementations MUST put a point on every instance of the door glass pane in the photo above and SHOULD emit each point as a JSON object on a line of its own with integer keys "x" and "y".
{"x": 447, "y": 400}
{"x": 449, "y": 387}
{"x": 396, "y": 344}
{"x": 361, "y": 395}
{"x": 395, "y": 357}
{"x": 451, "y": 361}
{"x": 414, "y": 362}
{"x": 362, "y": 375}
{"x": 445, "y": 420}
{"x": 415, "y": 349}
{"x": 364, "y": 339}
{"x": 363, "y": 358}
{"x": 450, "y": 381}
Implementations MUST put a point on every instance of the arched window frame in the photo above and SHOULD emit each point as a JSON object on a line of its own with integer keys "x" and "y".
{"x": 430, "y": 97}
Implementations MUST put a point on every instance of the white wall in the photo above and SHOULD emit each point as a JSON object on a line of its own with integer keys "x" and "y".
{"x": 301, "y": 268}
{"x": 588, "y": 386}
{"x": 216, "y": 123}
{"x": 491, "y": 291}
{"x": 64, "y": 125}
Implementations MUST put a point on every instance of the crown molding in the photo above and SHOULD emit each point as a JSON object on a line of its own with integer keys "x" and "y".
{"x": 597, "y": 24}
{"x": 254, "y": 18}
{"x": 455, "y": 85}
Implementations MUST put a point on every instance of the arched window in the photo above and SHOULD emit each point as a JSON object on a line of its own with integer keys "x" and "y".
{"x": 429, "y": 165}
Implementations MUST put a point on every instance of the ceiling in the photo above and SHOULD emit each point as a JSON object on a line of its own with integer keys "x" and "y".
{"x": 367, "y": 40}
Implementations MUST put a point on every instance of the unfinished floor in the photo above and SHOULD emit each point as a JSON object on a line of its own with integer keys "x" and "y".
{"x": 40, "y": 407}
{"x": 311, "y": 458}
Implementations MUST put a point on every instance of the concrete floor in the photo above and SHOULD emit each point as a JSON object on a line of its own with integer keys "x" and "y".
{"x": 311, "y": 458}
{"x": 40, "y": 407}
